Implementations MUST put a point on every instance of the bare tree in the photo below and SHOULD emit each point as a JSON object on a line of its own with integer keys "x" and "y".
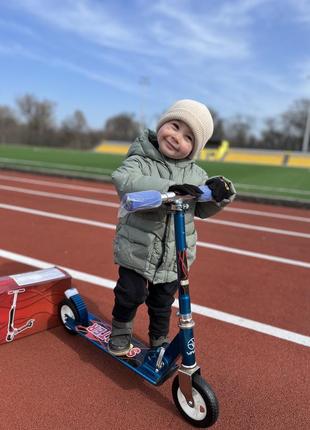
{"x": 121, "y": 127}
{"x": 34, "y": 125}
{"x": 39, "y": 119}
{"x": 294, "y": 123}
{"x": 76, "y": 122}
{"x": 238, "y": 131}
{"x": 272, "y": 135}
{"x": 287, "y": 131}
{"x": 75, "y": 131}
{"x": 9, "y": 126}
{"x": 218, "y": 133}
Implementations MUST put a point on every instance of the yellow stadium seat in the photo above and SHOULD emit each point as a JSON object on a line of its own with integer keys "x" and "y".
{"x": 255, "y": 158}
{"x": 108, "y": 148}
{"x": 299, "y": 161}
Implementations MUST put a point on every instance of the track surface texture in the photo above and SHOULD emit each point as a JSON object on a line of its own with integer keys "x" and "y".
{"x": 250, "y": 291}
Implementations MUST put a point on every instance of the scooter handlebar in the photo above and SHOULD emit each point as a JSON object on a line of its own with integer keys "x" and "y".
{"x": 146, "y": 200}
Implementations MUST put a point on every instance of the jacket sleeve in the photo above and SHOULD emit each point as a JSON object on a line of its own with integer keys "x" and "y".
{"x": 131, "y": 176}
{"x": 207, "y": 209}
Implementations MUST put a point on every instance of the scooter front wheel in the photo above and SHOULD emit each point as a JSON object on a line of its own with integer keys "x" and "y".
{"x": 67, "y": 309}
{"x": 205, "y": 411}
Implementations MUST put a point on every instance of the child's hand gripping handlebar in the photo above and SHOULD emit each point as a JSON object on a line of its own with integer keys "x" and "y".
{"x": 146, "y": 200}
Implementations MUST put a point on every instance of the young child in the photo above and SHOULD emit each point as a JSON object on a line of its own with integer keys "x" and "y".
{"x": 144, "y": 246}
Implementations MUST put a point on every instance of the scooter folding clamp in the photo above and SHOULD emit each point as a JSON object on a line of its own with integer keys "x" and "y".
{"x": 184, "y": 282}
{"x": 186, "y": 321}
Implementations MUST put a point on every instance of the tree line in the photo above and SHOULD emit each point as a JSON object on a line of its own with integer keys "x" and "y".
{"x": 32, "y": 122}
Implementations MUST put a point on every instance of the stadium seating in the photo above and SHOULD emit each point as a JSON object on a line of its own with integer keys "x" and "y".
{"x": 220, "y": 151}
{"x": 247, "y": 156}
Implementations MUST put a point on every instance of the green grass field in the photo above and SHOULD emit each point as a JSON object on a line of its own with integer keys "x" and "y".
{"x": 271, "y": 181}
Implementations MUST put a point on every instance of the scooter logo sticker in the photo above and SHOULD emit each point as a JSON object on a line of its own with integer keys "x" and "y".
{"x": 191, "y": 346}
{"x": 133, "y": 352}
{"x": 13, "y": 331}
{"x": 99, "y": 332}
{"x": 96, "y": 331}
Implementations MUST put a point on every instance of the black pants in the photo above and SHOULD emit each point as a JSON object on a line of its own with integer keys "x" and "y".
{"x": 132, "y": 290}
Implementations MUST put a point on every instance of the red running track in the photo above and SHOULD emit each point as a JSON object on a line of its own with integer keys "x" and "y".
{"x": 52, "y": 380}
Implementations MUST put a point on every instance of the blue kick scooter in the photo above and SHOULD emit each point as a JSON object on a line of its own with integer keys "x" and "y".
{"x": 193, "y": 397}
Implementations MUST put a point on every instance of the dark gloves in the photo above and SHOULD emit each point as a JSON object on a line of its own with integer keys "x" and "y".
{"x": 186, "y": 189}
{"x": 222, "y": 189}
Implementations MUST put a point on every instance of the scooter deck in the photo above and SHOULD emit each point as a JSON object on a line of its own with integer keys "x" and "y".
{"x": 140, "y": 358}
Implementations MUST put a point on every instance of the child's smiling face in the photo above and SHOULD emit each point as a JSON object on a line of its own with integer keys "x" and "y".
{"x": 175, "y": 139}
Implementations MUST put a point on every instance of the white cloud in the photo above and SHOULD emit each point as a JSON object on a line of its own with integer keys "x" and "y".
{"x": 187, "y": 48}
{"x": 18, "y": 50}
{"x": 203, "y": 35}
{"x": 170, "y": 26}
{"x": 87, "y": 19}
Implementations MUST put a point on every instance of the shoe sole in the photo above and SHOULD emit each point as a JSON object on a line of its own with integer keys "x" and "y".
{"x": 120, "y": 353}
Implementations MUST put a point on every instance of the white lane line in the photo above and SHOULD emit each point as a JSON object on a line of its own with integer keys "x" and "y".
{"x": 256, "y": 227}
{"x": 58, "y": 185}
{"x": 267, "y": 214}
{"x": 279, "y": 189}
{"x": 198, "y": 309}
{"x": 202, "y": 244}
{"x": 57, "y": 216}
{"x": 252, "y": 325}
{"x": 116, "y": 205}
{"x": 111, "y": 192}
{"x": 238, "y": 251}
{"x": 109, "y": 171}
{"x": 56, "y": 165}
{"x": 59, "y": 196}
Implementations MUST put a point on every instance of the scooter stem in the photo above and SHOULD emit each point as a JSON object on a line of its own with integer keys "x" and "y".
{"x": 186, "y": 323}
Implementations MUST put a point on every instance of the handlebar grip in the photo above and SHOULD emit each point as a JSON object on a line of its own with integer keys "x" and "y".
{"x": 141, "y": 200}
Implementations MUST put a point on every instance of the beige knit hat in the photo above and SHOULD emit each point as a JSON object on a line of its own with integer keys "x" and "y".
{"x": 198, "y": 118}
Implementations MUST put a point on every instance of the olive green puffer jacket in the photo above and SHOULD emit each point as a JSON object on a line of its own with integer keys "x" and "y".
{"x": 145, "y": 241}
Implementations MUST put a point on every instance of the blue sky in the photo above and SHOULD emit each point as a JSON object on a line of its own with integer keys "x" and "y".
{"x": 248, "y": 57}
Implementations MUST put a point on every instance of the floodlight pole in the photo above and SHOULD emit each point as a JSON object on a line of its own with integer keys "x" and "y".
{"x": 144, "y": 83}
{"x": 305, "y": 144}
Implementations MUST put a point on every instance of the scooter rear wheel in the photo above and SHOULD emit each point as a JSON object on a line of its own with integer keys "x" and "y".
{"x": 67, "y": 308}
{"x": 206, "y": 409}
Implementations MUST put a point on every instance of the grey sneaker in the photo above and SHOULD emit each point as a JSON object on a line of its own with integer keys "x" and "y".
{"x": 156, "y": 342}
{"x": 120, "y": 338}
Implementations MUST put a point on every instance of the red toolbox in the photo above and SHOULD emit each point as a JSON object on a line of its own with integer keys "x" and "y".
{"x": 29, "y": 302}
